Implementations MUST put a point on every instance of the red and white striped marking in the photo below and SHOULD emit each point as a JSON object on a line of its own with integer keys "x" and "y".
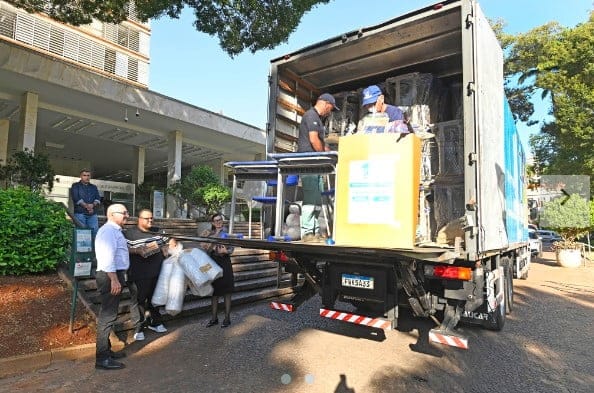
{"x": 448, "y": 339}
{"x": 356, "y": 319}
{"x": 282, "y": 306}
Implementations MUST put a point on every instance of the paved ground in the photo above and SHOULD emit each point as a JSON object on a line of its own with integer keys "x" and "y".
{"x": 546, "y": 346}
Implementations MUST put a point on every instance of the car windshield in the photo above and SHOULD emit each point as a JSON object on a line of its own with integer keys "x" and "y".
{"x": 532, "y": 235}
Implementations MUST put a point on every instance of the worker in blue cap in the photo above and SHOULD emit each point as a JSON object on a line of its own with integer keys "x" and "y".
{"x": 373, "y": 101}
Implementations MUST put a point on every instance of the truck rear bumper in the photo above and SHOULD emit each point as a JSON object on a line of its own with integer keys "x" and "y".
{"x": 378, "y": 323}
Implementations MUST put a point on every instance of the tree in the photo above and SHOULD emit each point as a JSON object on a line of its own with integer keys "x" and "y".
{"x": 559, "y": 63}
{"x": 239, "y": 24}
{"x": 201, "y": 188}
{"x": 28, "y": 169}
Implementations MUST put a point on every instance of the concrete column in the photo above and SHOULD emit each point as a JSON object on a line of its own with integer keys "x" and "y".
{"x": 138, "y": 170}
{"x": 4, "y": 126}
{"x": 174, "y": 160}
{"x": 27, "y": 122}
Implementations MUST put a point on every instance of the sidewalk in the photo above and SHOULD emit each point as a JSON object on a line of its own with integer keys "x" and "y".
{"x": 25, "y": 363}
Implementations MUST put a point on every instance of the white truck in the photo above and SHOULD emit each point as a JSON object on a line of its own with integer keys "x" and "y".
{"x": 444, "y": 67}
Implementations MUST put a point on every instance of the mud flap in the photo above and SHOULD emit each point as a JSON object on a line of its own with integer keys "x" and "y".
{"x": 447, "y": 337}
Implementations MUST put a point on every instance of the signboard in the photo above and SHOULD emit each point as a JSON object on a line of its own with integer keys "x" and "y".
{"x": 84, "y": 240}
{"x": 82, "y": 253}
{"x": 82, "y": 268}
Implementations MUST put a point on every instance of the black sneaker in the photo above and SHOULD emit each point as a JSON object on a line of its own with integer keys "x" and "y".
{"x": 117, "y": 355}
{"x": 212, "y": 322}
{"x": 226, "y": 323}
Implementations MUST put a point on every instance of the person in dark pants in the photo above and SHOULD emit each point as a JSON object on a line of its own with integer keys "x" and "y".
{"x": 224, "y": 285}
{"x": 147, "y": 250}
{"x": 111, "y": 250}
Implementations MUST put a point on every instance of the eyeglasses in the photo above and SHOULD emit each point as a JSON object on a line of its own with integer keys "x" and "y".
{"x": 146, "y": 218}
{"x": 122, "y": 213}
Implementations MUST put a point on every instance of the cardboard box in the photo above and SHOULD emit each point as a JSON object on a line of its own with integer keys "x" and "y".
{"x": 377, "y": 194}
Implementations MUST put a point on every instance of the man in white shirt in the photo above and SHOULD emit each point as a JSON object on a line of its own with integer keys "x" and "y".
{"x": 111, "y": 250}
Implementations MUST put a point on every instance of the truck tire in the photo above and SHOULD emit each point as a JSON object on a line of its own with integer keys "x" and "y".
{"x": 496, "y": 318}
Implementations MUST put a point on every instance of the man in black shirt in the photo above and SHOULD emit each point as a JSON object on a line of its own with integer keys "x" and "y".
{"x": 147, "y": 251}
{"x": 311, "y": 139}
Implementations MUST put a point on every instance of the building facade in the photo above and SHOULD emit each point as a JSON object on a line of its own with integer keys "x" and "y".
{"x": 80, "y": 95}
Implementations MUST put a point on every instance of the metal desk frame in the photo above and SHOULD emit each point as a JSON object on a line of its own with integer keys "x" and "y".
{"x": 281, "y": 165}
{"x": 321, "y": 163}
{"x": 249, "y": 170}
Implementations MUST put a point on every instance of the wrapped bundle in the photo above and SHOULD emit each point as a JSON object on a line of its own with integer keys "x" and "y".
{"x": 204, "y": 290}
{"x": 199, "y": 267}
{"x": 162, "y": 286}
{"x": 206, "y": 264}
{"x": 177, "y": 290}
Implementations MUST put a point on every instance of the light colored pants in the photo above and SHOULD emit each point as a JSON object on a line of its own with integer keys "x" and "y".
{"x": 91, "y": 222}
{"x": 312, "y": 204}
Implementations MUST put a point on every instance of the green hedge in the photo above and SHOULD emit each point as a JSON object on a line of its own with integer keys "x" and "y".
{"x": 35, "y": 233}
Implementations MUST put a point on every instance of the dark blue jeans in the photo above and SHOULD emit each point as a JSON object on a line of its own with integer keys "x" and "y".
{"x": 108, "y": 313}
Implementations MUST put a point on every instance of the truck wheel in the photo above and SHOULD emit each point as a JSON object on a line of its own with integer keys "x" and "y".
{"x": 496, "y": 319}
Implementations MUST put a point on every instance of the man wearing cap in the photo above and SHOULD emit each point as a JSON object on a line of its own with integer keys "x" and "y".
{"x": 373, "y": 101}
{"x": 311, "y": 139}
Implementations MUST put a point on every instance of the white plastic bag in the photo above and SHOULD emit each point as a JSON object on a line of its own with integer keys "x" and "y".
{"x": 162, "y": 286}
{"x": 204, "y": 290}
{"x": 199, "y": 267}
{"x": 206, "y": 264}
{"x": 177, "y": 290}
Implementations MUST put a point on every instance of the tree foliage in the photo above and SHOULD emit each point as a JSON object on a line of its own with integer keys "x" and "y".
{"x": 568, "y": 216}
{"x": 556, "y": 63}
{"x": 238, "y": 24}
{"x": 201, "y": 188}
{"x": 28, "y": 169}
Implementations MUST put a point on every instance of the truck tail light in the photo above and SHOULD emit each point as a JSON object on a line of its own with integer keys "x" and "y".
{"x": 449, "y": 272}
{"x": 278, "y": 256}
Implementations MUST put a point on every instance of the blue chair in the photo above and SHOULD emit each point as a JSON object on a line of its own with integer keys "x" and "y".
{"x": 270, "y": 199}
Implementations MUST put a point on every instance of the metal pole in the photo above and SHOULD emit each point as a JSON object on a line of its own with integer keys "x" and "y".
{"x": 73, "y": 306}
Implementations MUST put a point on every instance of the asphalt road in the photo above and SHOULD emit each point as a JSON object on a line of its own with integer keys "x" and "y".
{"x": 547, "y": 345}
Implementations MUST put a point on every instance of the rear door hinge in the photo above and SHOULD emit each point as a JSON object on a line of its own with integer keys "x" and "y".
{"x": 470, "y": 88}
{"x": 469, "y": 20}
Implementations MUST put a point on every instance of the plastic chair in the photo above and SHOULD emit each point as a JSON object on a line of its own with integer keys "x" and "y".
{"x": 270, "y": 200}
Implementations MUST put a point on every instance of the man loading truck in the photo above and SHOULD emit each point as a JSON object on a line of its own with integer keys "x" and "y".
{"x": 311, "y": 138}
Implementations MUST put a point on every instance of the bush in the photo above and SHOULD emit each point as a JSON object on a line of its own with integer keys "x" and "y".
{"x": 568, "y": 216}
{"x": 34, "y": 232}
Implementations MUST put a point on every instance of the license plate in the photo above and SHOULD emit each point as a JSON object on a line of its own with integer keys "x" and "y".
{"x": 354, "y": 281}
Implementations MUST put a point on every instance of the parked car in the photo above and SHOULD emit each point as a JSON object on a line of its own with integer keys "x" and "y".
{"x": 535, "y": 244}
{"x": 548, "y": 236}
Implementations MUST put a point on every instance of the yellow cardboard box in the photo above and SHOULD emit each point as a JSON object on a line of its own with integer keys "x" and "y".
{"x": 377, "y": 190}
